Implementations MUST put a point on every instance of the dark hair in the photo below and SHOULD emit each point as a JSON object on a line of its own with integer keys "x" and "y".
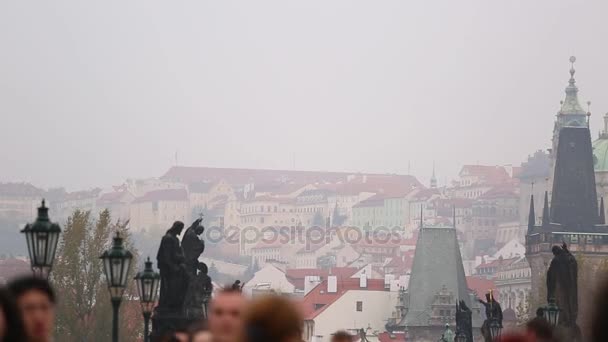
{"x": 14, "y": 325}
{"x": 541, "y": 328}
{"x": 341, "y": 335}
{"x": 22, "y": 285}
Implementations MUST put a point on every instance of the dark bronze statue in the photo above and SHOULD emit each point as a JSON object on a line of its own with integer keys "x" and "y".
{"x": 183, "y": 292}
{"x": 193, "y": 246}
{"x": 172, "y": 267}
{"x": 236, "y": 286}
{"x": 493, "y": 314}
{"x": 562, "y": 284}
{"x": 464, "y": 321}
{"x": 199, "y": 293}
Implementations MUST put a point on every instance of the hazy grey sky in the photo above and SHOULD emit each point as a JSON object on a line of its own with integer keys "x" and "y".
{"x": 92, "y": 92}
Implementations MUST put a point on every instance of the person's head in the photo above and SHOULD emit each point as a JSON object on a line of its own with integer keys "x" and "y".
{"x": 225, "y": 315}
{"x": 556, "y": 250}
{"x": 342, "y": 336}
{"x": 272, "y": 318}
{"x": 176, "y": 228}
{"x": 11, "y": 326}
{"x": 199, "y": 230}
{"x": 36, "y": 302}
{"x": 539, "y": 329}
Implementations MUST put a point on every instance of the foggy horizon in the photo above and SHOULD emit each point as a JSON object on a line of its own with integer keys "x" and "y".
{"x": 93, "y": 94}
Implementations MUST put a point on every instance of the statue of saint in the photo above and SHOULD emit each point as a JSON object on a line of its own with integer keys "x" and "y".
{"x": 448, "y": 334}
{"x": 464, "y": 320}
{"x": 193, "y": 246}
{"x": 562, "y": 284}
{"x": 493, "y": 314}
{"x": 172, "y": 267}
{"x": 199, "y": 293}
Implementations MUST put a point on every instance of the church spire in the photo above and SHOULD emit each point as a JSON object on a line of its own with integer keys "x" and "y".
{"x": 433, "y": 178}
{"x": 602, "y": 212}
{"x": 546, "y": 210}
{"x": 531, "y": 215}
{"x": 571, "y": 105}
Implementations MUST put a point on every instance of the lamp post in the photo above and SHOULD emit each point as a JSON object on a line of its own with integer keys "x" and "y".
{"x": 42, "y": 237}
{"x": 147, "y": 288}
{"x": 116, "y": 264}
{"x": 551, "y": 312}
{"x": 460, "y": 337}
{"x": 495, "y": 329}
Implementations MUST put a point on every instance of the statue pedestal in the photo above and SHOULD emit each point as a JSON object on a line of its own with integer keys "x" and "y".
{"x": 165, "y": 321}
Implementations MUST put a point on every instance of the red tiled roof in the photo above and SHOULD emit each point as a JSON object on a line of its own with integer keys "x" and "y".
{"x": 501, "y": 192}
{"x": 424, "y": 194}
{"x": 186, "y": 174}
{"x": 164, "y": 195}
{"x": 489, "y": 174}
{"x": 319, "y": 294}
{"x": 480, "y": 285}
{"x": 394, "y": 337}
{"x": 374, "y": 201}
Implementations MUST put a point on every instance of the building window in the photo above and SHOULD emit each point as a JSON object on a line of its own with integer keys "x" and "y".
{"x": 359, "y": 306}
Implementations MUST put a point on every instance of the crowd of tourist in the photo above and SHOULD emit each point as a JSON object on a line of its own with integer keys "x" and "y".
{"x": 27, "y": 313}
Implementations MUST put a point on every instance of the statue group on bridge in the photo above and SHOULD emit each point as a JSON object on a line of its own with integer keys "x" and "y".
{"x": 185, "y": 287}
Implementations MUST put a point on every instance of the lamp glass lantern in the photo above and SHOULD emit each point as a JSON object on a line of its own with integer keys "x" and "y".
{"x": 148, "y": 282}
{"x": 495, "y": 329}
{"x": 116, "y": 265}
{"x": 42, "y": 237}
{"x": 551, "y": 312}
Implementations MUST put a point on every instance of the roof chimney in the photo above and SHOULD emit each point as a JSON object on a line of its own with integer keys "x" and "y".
{"x": 332, "y": 284}
{"x": 363, "y": 280}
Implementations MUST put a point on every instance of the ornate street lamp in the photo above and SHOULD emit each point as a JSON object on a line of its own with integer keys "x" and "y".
{"x": 42, "y": 237}
{"x": 460, "y": 337}
{"x": 147, "y": 287}
{"x": 551, "y": 312}
{"x": 116, "y": 264}
{"x": 495, "y": 329}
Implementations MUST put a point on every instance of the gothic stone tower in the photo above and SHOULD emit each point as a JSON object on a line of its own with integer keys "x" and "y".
{"x": 573, "y": 218}
{"x": 570, "y": 114}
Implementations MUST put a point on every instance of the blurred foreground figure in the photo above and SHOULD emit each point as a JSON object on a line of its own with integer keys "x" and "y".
{"x": 36, "y": 302}
{"x": 226, "y": 315}
{"x": 342, "y": 336}
{"x": 272, "y": 318}
{"x": 11, "y": 327}
{"x": 599, "y": 331}
{"x": 539, "y": 329}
